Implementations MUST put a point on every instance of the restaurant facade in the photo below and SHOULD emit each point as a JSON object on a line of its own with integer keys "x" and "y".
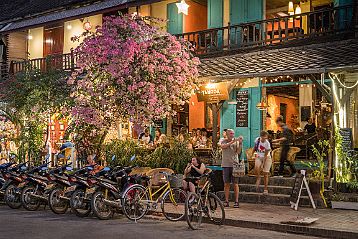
{"x": 297, "y": 59}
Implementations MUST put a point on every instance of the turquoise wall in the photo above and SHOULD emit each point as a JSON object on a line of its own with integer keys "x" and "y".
{"x": 175, "y": 20}
{"x": 228, "y": 117}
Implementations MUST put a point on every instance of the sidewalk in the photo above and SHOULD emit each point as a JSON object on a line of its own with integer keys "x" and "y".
{"x": 331, "y": 223}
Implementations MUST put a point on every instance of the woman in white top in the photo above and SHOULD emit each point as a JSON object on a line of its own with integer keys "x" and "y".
{"x": 263, "y": 160}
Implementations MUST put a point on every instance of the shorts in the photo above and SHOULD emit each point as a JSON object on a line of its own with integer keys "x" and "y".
{"x": 267, "y": 165}
{"x": 227, "y": 176}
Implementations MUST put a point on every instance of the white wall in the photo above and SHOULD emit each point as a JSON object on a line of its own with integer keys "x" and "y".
{"x": 75, "y": 28}
{"x": 305, "y": 99}
{"x": 35, "y": 42}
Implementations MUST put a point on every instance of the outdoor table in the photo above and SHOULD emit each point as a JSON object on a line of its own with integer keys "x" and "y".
{"x": 217, "y": 178}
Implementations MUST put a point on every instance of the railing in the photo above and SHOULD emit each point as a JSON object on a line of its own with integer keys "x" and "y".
{"x": 58, "y": 61}
{"x": 4, "y": 71}
{"x": 275, "y": 31}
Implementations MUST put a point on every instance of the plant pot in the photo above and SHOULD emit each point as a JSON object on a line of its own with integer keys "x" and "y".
{"x": 345, "y": 205}
{"x": 315, "y": 188}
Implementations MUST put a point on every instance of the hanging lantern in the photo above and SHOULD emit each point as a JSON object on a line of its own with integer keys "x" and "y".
{"x": 182, "y": 7}
{"x": 291, "y": 11}
{"x": 87, "y": 25}
{"x": 298, "y": 10}
{"x": 262, "y": 105}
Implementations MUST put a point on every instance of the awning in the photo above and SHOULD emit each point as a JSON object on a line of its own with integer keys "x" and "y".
{"x": 309, "y": 59}
{"x": 56, "y": 16}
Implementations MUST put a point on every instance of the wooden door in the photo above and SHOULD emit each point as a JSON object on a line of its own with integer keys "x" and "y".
{"x": 53, "y": 40}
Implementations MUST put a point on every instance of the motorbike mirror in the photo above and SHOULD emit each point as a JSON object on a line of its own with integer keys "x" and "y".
{"x": 69, "y": 168}
{"x": 132, "y": 158}
{"x": 44, "y": 168}
{"x": 23, "y": 168}
{"x": 106, "y": 169}
{"x": 90, "y": 168}
{"x": 113, "y": 157}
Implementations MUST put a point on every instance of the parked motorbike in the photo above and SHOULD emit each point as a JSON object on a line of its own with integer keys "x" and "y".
{"x": 3, "y": 168}
{"x": 80, "y": 200}
{"x": 65, "y": 185}
{"x": 37, "y": 188}
{"x": 14, "y": 183}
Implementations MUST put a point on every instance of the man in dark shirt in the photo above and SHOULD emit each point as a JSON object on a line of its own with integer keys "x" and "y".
{"x": 310, "y": 127}
{"x": 285, "y": 141}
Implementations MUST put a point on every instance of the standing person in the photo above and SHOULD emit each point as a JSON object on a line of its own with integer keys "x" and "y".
{"x": 231, "y": 148}
{"x": 263, "y": 160}
{"x": 285, "y": 141}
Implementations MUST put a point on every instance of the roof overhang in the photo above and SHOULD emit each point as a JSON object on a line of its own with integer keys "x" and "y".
{"x": 335, "y": 56}
{"x": 95, "y": 8}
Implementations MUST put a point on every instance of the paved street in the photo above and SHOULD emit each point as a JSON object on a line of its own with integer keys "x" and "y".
{"x": 44, "y": 224}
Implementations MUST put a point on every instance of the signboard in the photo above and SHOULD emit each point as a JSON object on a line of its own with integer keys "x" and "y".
{"x": 347, "y": 140}
{"x": 296, "y": 194}
{"x": 242, "y": 108}
{"x": 213, "y": 92}
{"x": 158, "y": 124}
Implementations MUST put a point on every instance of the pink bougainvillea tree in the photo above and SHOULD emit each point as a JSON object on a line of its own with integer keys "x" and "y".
{"x": 129, "y": 69}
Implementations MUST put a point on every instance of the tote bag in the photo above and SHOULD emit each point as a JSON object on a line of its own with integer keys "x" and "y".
{"x": 239, "y": 166}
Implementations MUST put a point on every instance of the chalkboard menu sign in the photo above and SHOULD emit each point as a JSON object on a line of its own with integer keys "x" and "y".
{"x": 347, "y": 140}
{"x": 296, "y": 188}
{"x": 242, "y": 108}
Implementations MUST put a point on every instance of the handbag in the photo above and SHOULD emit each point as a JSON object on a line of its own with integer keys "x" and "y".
{"x": 238, "y": 167}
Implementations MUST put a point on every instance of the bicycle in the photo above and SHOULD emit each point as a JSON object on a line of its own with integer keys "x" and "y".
{"x": 139, "y": 199}
{"x": 203, "y": 201}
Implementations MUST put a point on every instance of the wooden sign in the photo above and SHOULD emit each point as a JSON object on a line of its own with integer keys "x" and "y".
{"x": 296, "y": 193}
{"x": 213, "y": 92}
{"x": 242, "y": 108}
{"x": 347, "y": 140}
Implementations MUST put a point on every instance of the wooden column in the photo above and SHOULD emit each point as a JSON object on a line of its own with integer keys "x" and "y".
{"x": 215, "y": 110}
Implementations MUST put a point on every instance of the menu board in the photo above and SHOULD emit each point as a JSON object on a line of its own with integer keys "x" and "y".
{"x": 296, "y": 188}
{"x": 242, "y": 108}
{"x": 347, "y": 140}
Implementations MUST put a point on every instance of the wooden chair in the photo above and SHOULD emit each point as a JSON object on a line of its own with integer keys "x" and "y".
{"x": 203, "y": 180}
{"x": 157, "y": 178}
{"x": 276, "y": 153}
{"x": 140, "y": 171}
{"x": 250, "y": 161}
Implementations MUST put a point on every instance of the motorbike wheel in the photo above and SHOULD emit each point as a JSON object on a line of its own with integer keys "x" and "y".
{"x": 13, "y": 197}
{"x": 79, "y": 205}
{"x": 28, "y": 202}
{"x": 57, "y": 204}
{"x": 101, "y": 210}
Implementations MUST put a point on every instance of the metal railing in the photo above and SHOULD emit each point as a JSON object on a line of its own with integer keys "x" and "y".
{"x": 326, "y": 22}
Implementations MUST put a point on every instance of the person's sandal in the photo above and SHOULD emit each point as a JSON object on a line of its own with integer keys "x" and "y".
{"x": 226, "y": 204}
{"x": 236, "y": 205}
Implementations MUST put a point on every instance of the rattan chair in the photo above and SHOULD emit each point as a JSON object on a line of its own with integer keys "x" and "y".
{"x": 250, "y": 160}
{"x": 156, "y": 178}
{"x": 276, "y": 153}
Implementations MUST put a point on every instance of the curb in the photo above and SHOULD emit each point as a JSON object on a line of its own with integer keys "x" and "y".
{"x": 294, "y": 229}
{"x": 309, "y": 231}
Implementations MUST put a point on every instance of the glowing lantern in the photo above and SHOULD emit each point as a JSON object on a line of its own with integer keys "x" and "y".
{"x": 87, "y": 26}
{"x": 182, "y": 7}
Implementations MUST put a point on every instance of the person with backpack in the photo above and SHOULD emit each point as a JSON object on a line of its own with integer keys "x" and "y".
{"x": 285, "y": 142}
{"x": 263, "y": 160}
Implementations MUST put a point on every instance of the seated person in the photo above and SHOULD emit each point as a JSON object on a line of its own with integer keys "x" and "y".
{"x": 91, "y": 162}
{"x": 145, "y": 137}
{"x": 194, "y": 169}
{"x": 310, "y": 127}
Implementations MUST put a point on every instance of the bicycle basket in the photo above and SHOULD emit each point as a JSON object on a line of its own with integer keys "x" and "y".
{"x": 176, "y": 180}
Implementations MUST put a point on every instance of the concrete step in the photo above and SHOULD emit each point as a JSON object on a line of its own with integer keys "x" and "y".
{"x": 274, "y": 181}
{"x": 272, "y": 189}
{"x": 273, "y": 199}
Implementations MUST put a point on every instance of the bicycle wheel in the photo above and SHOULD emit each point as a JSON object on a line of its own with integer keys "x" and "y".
{"x": 100, "y": 209}
{"x": 214, "y": 209}
{"x": 135, "y": 202}
{"x": 193, "y": 210}
{"x": 173, "y": 204}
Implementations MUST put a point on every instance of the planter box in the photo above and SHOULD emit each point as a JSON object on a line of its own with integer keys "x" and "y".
{"x": 345, "y": 205}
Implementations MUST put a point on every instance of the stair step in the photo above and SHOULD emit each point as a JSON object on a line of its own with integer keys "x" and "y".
{"x": 272, "y": 199}
{"x": 273, "y": 181}
{"x": 272, "y": 189}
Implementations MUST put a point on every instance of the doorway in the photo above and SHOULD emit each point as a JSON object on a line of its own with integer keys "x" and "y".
{"x": 53, "y": 40}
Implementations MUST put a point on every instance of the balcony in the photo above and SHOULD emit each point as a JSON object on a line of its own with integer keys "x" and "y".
{"x": 328, "y": 23}
{"x": 315, "y": 26}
